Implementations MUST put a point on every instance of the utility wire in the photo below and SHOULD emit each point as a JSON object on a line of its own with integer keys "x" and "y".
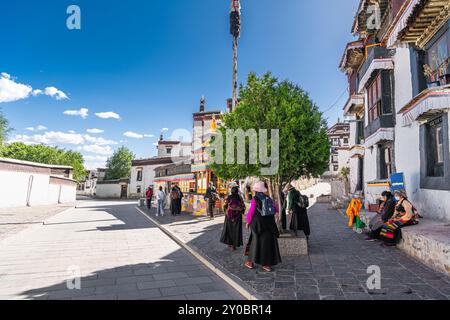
{"x": 337, "y": 101}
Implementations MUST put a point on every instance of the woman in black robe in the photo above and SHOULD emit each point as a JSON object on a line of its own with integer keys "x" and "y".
{"x": 299, "y": 214}
{"x": 234, "y": 208}
{"x": 264, "y": 249}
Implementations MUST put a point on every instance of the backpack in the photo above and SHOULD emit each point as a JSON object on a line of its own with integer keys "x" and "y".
{"x": 303, "y": 201}
{"x": 267, "y": 208}
{"x": 234, "y": 208}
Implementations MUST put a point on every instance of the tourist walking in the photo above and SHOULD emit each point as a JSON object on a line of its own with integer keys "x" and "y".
{"x": 211, "y": 196}
{"x": 385, "y": 213}
{"x": 297, "y": 207}
{"x": 264, "y": 249}
{"x": 404, "y": 216}
{"x": 234, "y": 208}
{"x": 149, "y": 196}
{"x": 161, "y": 198}
{"x": 174, "y": 201}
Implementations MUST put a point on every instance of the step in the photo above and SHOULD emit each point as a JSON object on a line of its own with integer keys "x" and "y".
{"x": 429, "y": 242}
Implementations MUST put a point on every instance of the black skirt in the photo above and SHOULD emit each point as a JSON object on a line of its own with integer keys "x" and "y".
{"x": 264, "y": 249}
{"x": 232, "y": 232}
{"x": 300, "y": 221}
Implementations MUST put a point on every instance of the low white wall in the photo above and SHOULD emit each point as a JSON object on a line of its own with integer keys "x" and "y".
{"x": 108, "y": 190}
{"x": 23, "y": 184}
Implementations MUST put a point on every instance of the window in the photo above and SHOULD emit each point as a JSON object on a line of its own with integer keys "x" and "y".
{"x": 435, "y": 154}
{"x": 335, "y": 168}
{"x": 374, "y": 98}
{"x": 435, "y": 148}
{"x": 386, "y": 164}
{"x": 438, "y": 53}
{"x": 169, "y": 150}
{"x": 345, "y": 141}
{"x": 138, "y": 189}
{"x": 139, "y": 175}
{"x": 334, "y": 159}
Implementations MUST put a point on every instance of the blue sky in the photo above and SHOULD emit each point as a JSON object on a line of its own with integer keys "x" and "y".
{"x": 149, "y": 62}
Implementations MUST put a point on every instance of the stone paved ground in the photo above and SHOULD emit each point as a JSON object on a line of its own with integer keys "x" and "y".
{"x": 14, "y": 220}
{"x": 120, "y": 255}
{"x": 335, "y": 269}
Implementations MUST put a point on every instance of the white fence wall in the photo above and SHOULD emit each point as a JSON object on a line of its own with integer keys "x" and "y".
{"x": 24, "y": 183}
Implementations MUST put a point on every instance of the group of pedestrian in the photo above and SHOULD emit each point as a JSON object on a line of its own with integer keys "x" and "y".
{"x": 395, "y": 213}
{"x": 176, "y": 198}
{"x": 262, "y": 247}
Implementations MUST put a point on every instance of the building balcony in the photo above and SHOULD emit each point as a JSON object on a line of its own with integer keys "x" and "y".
{"x": 354, "y": 105}
{"x": 357, "y": 151}
{"x": 378, "y": 58}
{"x": 383, "y": 121}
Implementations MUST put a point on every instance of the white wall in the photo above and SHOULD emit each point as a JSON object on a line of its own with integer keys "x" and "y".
{"x": 16, "y": 187}
{"x": 148, "y": 177}
{"x": 109, "y": 190}
{"x": 431, "y": 203}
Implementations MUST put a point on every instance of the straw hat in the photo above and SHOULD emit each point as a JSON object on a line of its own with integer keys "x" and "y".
{"x": 260, "y": 187}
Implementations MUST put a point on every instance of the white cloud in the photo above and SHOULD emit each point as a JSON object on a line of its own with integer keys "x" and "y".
{"x": 164, "y": 130}
{"x": 12, "y": 91}
{"x": 71, "y": 131}
{"x": 108, "y": 115}
{"x": 95, "y": 131}
{"x": 102, "y": 150}
{"x": 38, "y": 128}
{"x": 134, "y": 135}
{"x": 83, "y": 113}
{"x": 94, "y": 162}
{"x": 41, "y": 128}
{"x": 50, "y": 138}
{"x": 55, "y": 93}
{"x": 99, "y": 140}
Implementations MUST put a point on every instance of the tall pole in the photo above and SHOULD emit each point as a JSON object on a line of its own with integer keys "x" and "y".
{"x": 235, "y": 30}
{"x": 235, "y": 73}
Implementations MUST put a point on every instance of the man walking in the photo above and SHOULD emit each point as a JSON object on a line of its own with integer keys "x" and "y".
{"x": 161, "y": 198}
{"x": 180, "y": 199}
{"x": 149, "y": 196}
{"x": 211, "y": 196}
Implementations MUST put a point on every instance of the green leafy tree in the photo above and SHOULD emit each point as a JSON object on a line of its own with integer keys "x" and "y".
{"x": 268, "y": 103}
{"x": 47, "y": 155}
{"x": 119, "y": 165}
{"x": 4, "y": 128}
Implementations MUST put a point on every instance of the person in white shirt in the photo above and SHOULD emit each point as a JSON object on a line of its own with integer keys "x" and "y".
{"x": 161, "y": 198}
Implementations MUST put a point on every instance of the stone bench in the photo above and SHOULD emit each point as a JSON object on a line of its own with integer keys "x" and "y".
{"x": 429, "y": 242}
{"x": 292, "y": 246}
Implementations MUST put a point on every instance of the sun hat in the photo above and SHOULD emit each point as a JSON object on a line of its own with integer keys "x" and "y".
{"x": 260, "y": 187}
{"x": 401, "y": 193}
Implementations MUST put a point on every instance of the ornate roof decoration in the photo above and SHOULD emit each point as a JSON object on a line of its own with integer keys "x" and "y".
{"x": 427, "y": 17}
{"x": 353, "y": 56}
{"x": 362, "y": 15}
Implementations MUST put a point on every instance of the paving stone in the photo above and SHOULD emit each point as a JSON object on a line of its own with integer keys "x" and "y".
{"x": 180, "y": 290}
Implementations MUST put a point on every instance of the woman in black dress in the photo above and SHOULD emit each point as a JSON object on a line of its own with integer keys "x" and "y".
{"x": 264, "y": 249}
{"x": 234, "y": 208}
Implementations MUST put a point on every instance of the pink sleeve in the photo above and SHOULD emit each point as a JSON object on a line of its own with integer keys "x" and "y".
{"x": 251, "y": 211}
